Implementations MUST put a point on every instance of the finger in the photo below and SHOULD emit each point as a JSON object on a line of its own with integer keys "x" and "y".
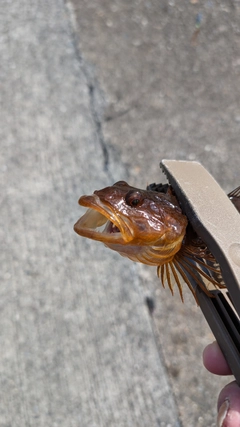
{"x": 229, "y": 406}
{"x": 214, "y": 361}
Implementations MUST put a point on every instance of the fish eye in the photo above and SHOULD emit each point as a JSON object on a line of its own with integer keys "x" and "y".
{"x": 133, "y": 198}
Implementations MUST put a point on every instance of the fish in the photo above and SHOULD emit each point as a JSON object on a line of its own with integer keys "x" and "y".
{"x": 149, "y": 226}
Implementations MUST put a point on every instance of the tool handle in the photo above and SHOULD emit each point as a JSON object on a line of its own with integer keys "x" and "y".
{"x": 217, "y": 222}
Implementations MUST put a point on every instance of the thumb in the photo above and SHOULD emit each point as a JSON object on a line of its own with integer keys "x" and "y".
{"x": 229, "y": 406}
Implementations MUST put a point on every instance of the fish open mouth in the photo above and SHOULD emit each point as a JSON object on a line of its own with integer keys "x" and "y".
{"x": 100, "y": 223}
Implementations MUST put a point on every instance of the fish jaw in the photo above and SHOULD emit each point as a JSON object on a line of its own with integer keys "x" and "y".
{"x": 97, "y": 215}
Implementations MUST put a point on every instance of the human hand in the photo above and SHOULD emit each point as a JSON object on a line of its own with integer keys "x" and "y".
{"x": 229, "y": 397}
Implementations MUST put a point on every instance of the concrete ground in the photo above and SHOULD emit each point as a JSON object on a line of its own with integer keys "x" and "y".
{"x": 92, "y": 92}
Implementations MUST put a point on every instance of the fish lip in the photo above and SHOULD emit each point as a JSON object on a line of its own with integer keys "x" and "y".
{"x": 96, "y": 209}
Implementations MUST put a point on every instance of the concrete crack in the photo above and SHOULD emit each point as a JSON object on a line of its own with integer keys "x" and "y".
{"x": 95, "y": 94}
{"x": 98, "y": 125}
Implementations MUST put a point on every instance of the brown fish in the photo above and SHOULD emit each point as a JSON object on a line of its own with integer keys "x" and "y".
{"x": 148, "y": 226}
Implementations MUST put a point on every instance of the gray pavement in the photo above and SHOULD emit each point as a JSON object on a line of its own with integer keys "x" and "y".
{"x": 92, "y": 92}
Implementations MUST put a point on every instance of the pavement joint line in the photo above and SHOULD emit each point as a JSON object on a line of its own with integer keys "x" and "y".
{"x": 93, "y": 87}
{"x": 98, "y": 125}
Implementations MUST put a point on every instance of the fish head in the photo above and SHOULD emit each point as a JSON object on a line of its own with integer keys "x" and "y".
{"x": 137, "y": 223}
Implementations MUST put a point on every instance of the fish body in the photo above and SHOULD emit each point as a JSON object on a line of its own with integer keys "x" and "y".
{"x": 148, "y": 226}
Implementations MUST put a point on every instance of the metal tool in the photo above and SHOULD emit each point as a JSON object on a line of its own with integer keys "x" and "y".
{"x": 215, "y": 219}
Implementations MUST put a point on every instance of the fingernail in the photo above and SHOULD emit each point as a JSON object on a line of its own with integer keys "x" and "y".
{"x": 222, "y": 413}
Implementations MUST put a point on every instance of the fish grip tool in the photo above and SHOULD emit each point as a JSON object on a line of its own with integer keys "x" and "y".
{"x": 216, "y": 220}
